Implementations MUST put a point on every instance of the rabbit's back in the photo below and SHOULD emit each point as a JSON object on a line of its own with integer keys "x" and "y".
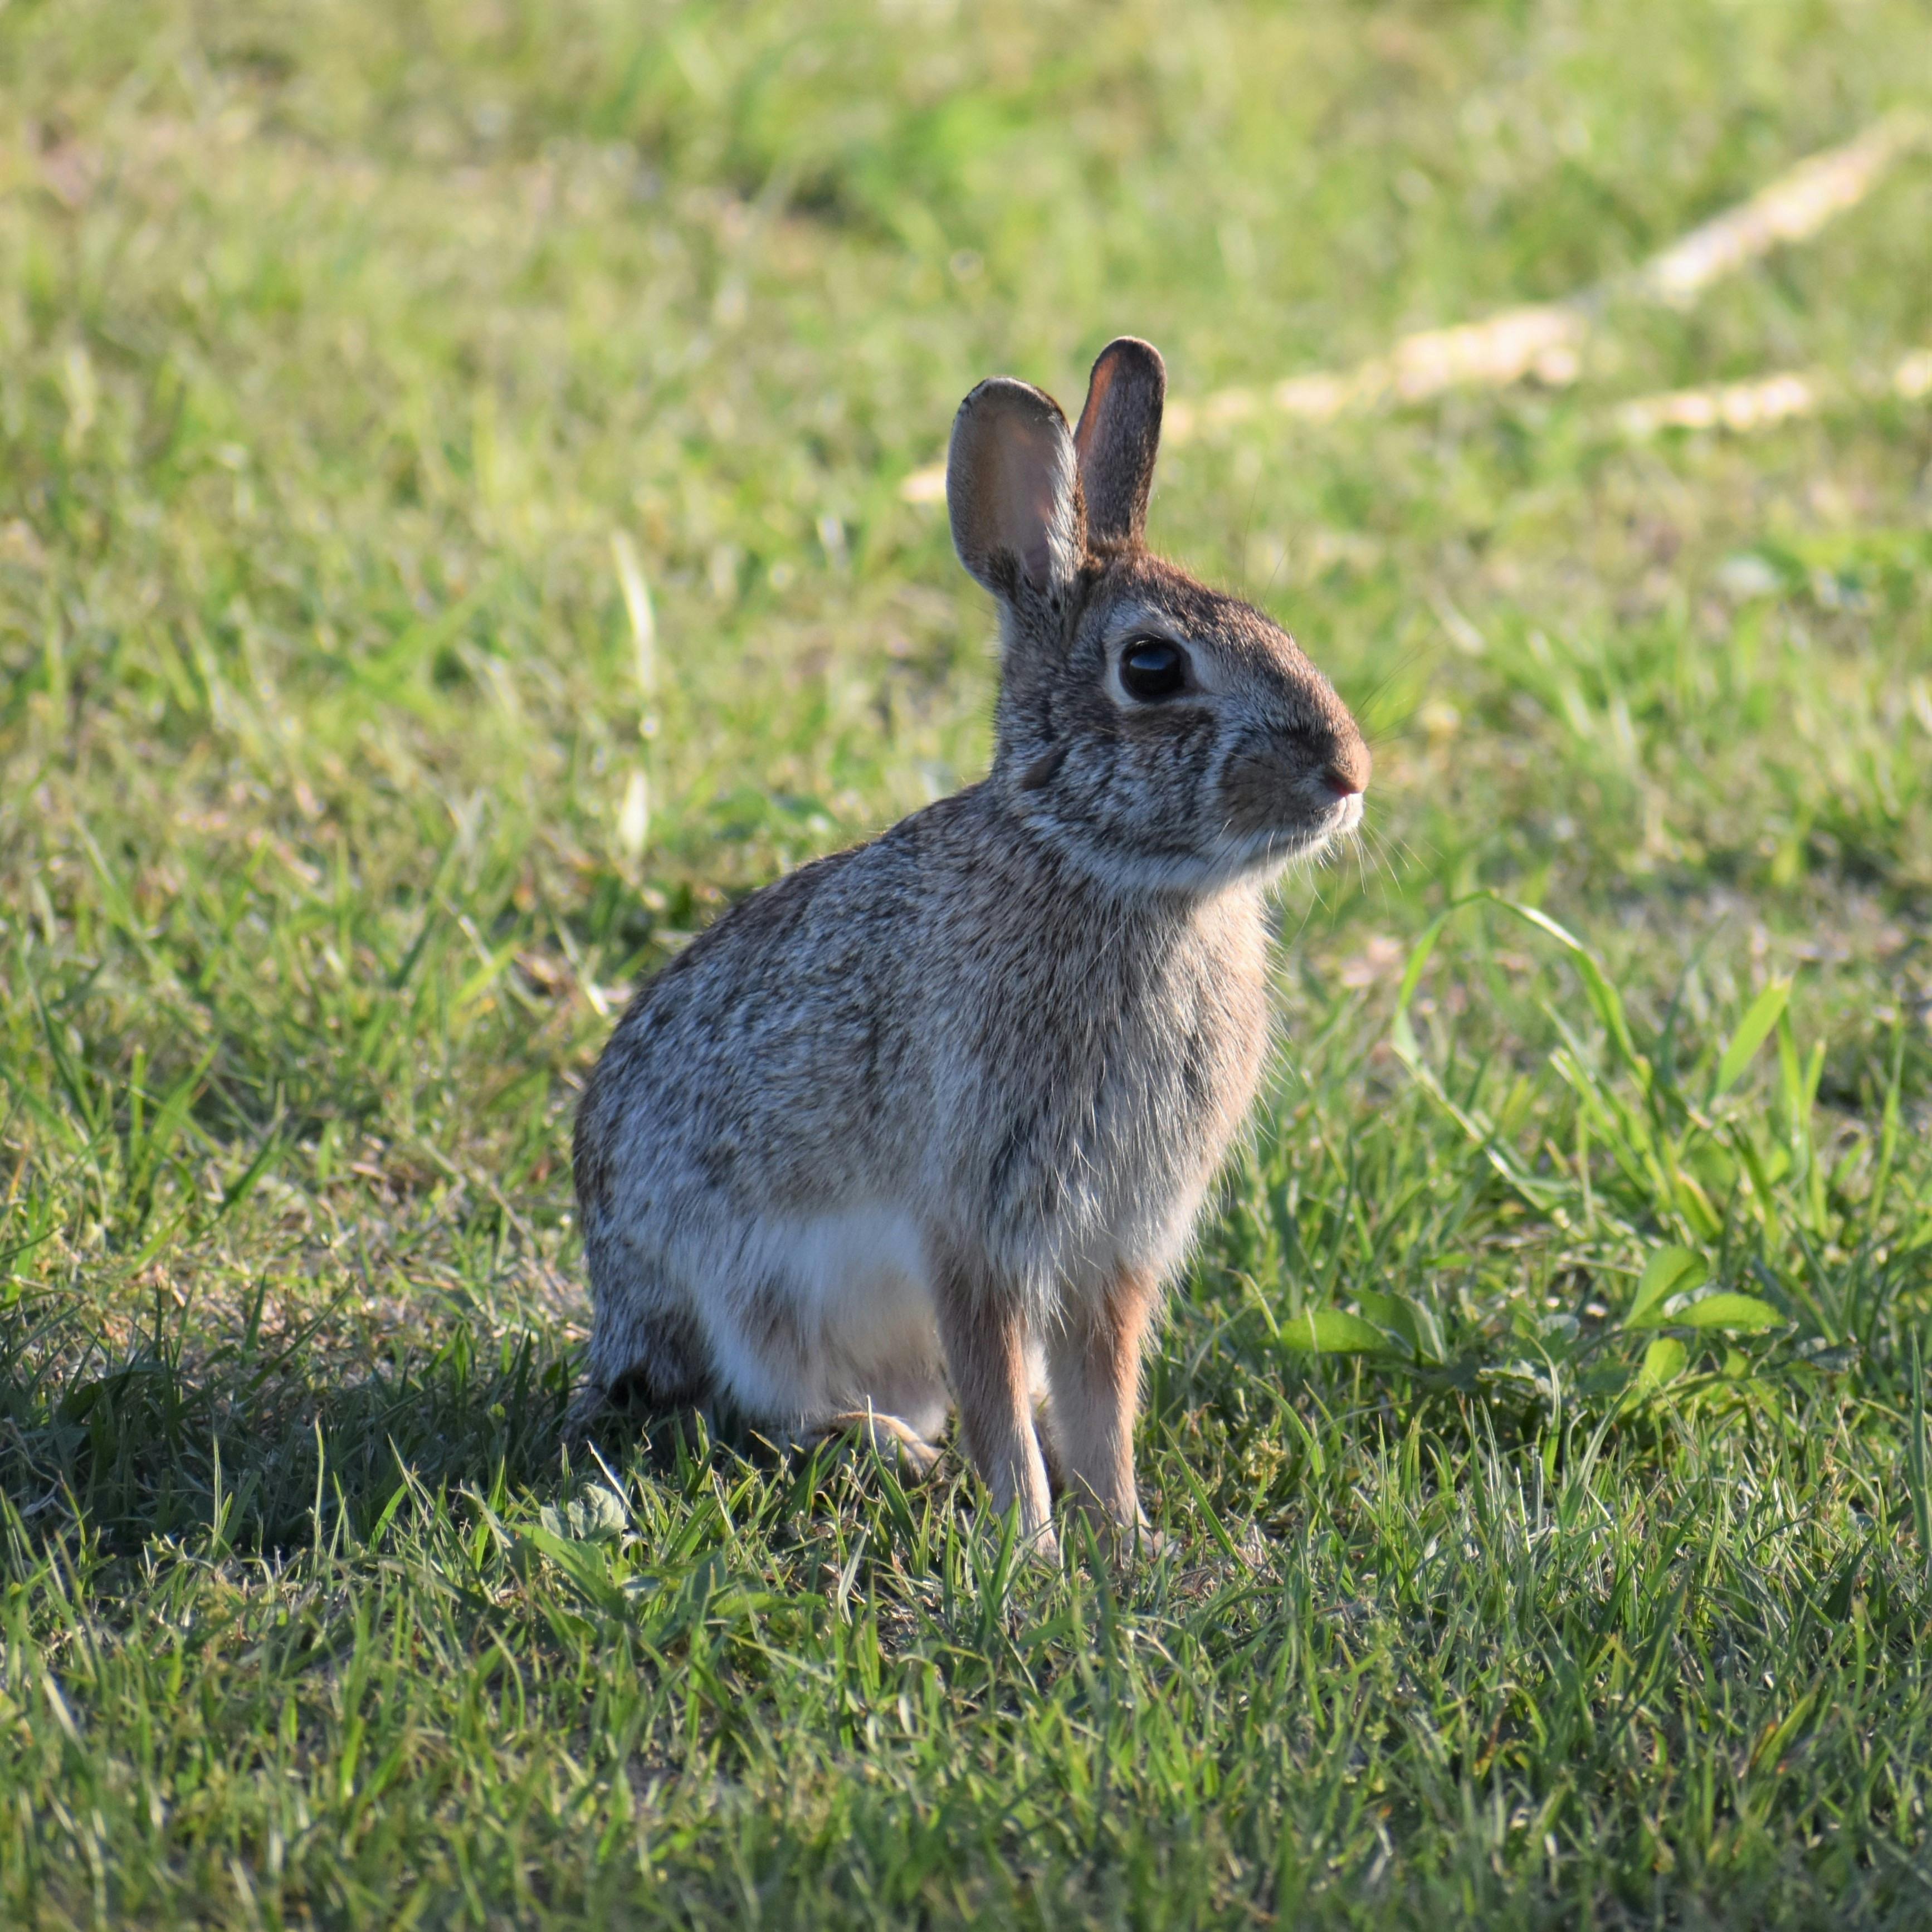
{"x": 758, "y": 1070}
{"x": 741, "y": 1162}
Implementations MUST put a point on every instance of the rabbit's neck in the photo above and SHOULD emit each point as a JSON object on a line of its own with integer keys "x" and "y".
{"x": 1153, "y": 874}
{"x": 1144, "y": 921}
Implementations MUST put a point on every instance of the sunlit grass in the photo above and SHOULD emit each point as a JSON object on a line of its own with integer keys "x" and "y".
{"x": 1538, "y": 1442}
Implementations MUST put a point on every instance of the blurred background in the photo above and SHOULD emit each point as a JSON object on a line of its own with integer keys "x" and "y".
{"x": 340, "y": 340}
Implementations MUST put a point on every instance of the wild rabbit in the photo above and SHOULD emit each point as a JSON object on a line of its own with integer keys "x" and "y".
{"x": 930, "y": 1121}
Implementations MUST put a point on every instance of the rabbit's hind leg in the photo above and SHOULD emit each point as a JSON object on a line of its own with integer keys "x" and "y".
{"x": 649, "y": 1353}
{"x": 917, "y": 1457}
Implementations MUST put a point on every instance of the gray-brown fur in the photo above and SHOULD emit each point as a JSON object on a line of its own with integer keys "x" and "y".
{"x": 930, "y": 1120}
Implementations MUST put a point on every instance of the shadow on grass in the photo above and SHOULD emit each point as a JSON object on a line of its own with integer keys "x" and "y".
{"x": 151, "y": 1441}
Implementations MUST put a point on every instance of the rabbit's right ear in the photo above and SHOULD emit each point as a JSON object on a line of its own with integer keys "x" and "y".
{"x": 1118, "y": 438}
{"x": 1012, "y": 490}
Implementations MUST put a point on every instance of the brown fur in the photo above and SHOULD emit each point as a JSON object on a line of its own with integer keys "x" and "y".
{"x": 984, "y": 1330}
{"x": 1093, "y": 1368}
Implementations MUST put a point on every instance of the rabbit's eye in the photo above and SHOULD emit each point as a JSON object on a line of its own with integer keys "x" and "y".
{"x": 1151, "y": 668}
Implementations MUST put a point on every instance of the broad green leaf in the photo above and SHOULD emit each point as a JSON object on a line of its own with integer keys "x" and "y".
{"x": 1669, "y": 1271}
{"x": 1327, "y": 1331}
{"x": 1662, "y": 1362}
{"x": 583, "y": 1563}
{"x": 1403, "y": 1315}
{"x": 1728, "y": 1311}
{"x": 1754, "y": 1029}
{"x": 1380, "y": 1309}
{"x": 598, "y": 1515}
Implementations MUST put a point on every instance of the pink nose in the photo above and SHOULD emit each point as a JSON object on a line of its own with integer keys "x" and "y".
{"x": 1346, "y": 773}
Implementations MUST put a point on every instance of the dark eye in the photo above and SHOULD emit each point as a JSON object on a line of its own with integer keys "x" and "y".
{"x": 1150, "y": 669}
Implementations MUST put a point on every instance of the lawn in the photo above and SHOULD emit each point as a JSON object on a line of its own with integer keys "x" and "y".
{"x": 455, "y": 536}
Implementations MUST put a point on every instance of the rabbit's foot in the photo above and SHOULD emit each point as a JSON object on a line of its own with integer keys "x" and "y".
{"x": 615, "y": 1421}
{"x": 917, "y": 1458}
{"x": 1043, "y": 1546}
{"x": 589, "y": 1402}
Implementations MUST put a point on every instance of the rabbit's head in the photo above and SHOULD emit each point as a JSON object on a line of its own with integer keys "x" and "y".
{"x": 1164, "y": 736}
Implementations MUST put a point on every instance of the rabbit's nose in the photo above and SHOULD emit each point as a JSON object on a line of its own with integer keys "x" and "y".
{"x": 1346, "y": 773}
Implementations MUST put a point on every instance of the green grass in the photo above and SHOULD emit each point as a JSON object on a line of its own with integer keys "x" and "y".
{"x": 337, "y": 343}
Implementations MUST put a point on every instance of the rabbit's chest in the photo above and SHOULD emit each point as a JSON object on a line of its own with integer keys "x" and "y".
{"x": 1174, "y": 1089}
{"x": 1108, "y": 1128}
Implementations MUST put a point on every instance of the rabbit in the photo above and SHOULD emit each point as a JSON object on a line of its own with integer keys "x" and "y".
{"x": 929, "y": 1122}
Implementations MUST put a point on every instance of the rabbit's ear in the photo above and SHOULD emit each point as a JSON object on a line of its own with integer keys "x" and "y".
{"x": 1013, "y": 489}
{"x": 1119, "y": 433}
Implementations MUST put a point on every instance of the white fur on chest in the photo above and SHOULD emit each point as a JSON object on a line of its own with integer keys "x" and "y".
{"x": 809, "y": 1316}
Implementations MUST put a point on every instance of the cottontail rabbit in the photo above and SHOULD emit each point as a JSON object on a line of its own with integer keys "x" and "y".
{"x": 929, "y": 1121}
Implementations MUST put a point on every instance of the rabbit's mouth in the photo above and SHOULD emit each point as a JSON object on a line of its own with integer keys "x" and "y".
{"x": 1293, "y": 814}
{"x": 1255, "y": 855}
{"x": 1264, "y": 852}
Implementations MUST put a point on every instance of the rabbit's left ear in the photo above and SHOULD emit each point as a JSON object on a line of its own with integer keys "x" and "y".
{"x": 1013, "y": 492}
{"x": 1116, "y": 442}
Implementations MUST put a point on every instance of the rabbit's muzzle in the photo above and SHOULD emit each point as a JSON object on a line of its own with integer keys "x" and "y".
{"x": 1296, "y": 790}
